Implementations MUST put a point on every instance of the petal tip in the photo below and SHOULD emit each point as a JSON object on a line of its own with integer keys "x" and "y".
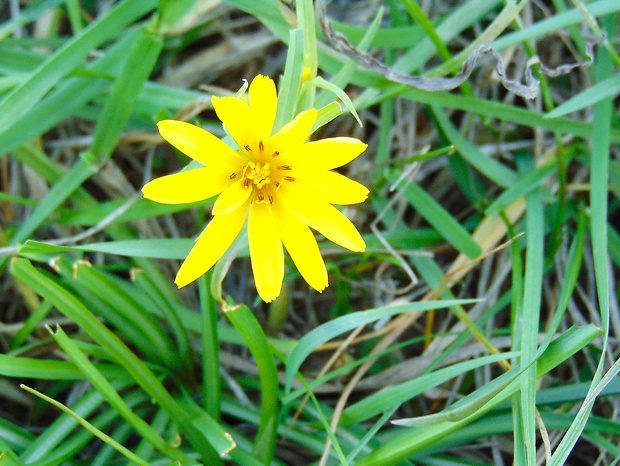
{"x": 268, "y": 298}
{"x": 180, "y": 283}
{"x": 322, "y": 288}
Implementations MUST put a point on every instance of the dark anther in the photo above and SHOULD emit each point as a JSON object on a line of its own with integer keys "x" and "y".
{"x": 270, "y": 198}
{"x": 246, "y": 147}
{"x": 246, "y": 183}
{"x": 275, "y": 154}
{"x": 289, "y": 178}
{"x": 233, "y": 176}
{"x": 284, "y": 167}
{"x": 260, "y": 145}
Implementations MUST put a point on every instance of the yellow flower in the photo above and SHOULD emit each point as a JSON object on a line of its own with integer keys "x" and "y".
{"x": 285, "y": 183}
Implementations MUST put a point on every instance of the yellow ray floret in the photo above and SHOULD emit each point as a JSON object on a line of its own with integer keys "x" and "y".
{"x": 282, "y": 184}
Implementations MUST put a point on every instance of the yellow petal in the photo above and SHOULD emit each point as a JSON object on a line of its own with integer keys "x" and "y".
{"x": 294, "y": 133}
{"x": 302, "y": 247}
{"x": 199, "y": 144}
{"x": 210, "y": 245}
{"x": 327, "y": 154}
{"x": 185, "y": 187}
{"x": 266, "y": 251}
{"x": 232, "y": 198}
{"x": 323, "y": 217}
{"x": 335, "y": 188}
{"x": 238, "y": 120}
{"x": 263, "y": 104}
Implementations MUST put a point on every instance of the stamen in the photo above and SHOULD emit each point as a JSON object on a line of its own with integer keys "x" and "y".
{"x": 289, "y": 178}
{"x": 275, "y": 154}
{"x": 260, "y": 146}
{"x": 246, "y": 183}
{"x": 246, "y": 147}
{"x": 270, "y": 198}
{"x": 284, "y": 167}
{"x": 233, "y": 176}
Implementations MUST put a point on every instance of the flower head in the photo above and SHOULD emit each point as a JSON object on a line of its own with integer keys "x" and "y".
{"x": 281, "y": 183}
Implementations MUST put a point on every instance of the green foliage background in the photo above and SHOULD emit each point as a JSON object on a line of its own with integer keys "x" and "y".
{"x": 482, "y": 319}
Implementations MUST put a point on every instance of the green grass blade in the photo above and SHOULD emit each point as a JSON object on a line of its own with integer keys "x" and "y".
{"x": 166, "y": 248}
{"x": 211, "y": 382}
{"x": 137, "y": 68}
{"x": 599, "y": 169}
{"x": 74, "y": 309}
{"x": 441, "y": 220}
{"x": 154, "y": 340}
{"x": 555, "y": 23}
{"x": 45, "y": 448}
{"x": 322, "y": 334}
{"x": 412, "y": 440}
{"x": 27, "y": 16}
{"x": 609, "y": 87}
{"x": 19, "y": 101}
{"x": 13, "y": 436}
{"x": 529, "y": 316}
{"x": 247, "y": 325}
{"x": 79, "y": 173}
{"x": 290, "y": 83}
{"x": 7, "y": 456}
{"x": 392, "y": 397}
{"x": 489, "y": 167}
{"x": 48, "y": 369}
{"x": 524, "y": 185}
{"x": 91, "y": 428}
{"x": 113, "y": 398}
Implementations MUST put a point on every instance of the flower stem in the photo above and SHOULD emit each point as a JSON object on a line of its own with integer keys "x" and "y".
{"x": 247, "y": 325}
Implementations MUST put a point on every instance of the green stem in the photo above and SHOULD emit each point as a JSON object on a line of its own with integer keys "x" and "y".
{"x": 211, "y": 383}
{"x": 247, "y": 325}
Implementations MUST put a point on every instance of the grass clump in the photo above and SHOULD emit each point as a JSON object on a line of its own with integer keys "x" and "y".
{"x": 478, "y": 326}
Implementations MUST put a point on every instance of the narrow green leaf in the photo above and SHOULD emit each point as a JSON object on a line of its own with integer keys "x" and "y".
{"x": 26, "y": 16}
{"x": 489, "y": 167}
{"x": 323, "y": 83}
{"x": 608, "y": 87}
{"x": 326, "y": 114}
{"x": 392, "y": 397}
{"x": 153, "y": 339}
{"x": 60, "y": 440}
{"x": 111, "y": 395}
{"x": 529, "y": 316}
{"x": 168, "y": 248}
{"x": 88, "y": 426}
{"x": 210, "y": 343}
{"x": 49, "y": 369}
{"x": 410, "y": 441}
{"x": 74, "y": 309}
{"x": 556, "y": 22}
{"x": 325, "y": 332}
{"x": 599, "y": 177}
{"x": 137, "y": 68}
{"x": 524, "y": 185}
{"x": 79, "y": 173}
{"x": 441, "y": 220}
{"x": 8, "y": 456}
{"x": 13, "y": 436}
{"x": 29, "y": 93}
{"x": 290, "y": 85}
{"x": 247, "y": 325}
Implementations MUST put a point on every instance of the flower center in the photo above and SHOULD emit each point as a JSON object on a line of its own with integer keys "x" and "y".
{"x": 262, "y": 177}
{"x": 257, "y": 173}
